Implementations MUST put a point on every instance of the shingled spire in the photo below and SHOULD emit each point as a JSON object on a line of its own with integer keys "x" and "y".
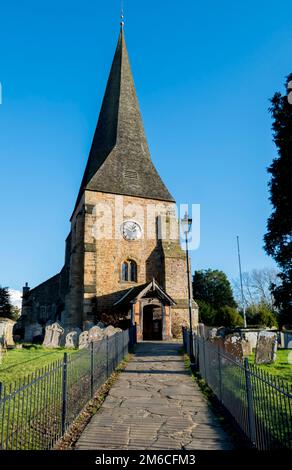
{"x": 119, "y": 161}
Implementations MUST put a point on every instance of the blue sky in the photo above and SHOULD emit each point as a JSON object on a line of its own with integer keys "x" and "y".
{"x": 204, "y": 73}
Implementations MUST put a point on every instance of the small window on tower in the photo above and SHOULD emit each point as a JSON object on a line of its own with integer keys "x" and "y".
{"x": 125, "y": 271}
{"x": 133, "y": 271}
{"x": 129, "y": 271}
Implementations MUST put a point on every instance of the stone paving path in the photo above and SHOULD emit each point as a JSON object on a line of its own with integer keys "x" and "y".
{"x": 155, "y": 404}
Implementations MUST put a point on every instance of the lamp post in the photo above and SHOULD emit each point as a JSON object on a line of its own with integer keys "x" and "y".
{"x": 186, "y": 224}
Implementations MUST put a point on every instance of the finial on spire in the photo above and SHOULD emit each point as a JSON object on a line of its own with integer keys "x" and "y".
{"x": 122, "y": 15}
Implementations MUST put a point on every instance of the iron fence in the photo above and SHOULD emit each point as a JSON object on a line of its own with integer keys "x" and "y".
{"x": 260, "y": 403}
{"x": 35, "y": 411}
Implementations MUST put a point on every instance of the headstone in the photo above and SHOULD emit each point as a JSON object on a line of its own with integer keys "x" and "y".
{"x": 83, "y": 340}
{"x": 201, "y": 330}
{"x": 217, "y": 341}
{"x": 246, "y": 347}
{"x": 266, "y": 348}
{"x": 252, "y": 337}
{"x": 71, "y": 340}
{"x": 67, "y": 330}
{"x": 6, "y": 332}
{"x": 222, "y": 331}
{"x": 286, "y": 339}
{"x": 111, "y": 330}
{"x": 212, "y": 333}
{"x": 233, "y": 346}
{"x": 53, "y": 335}
{"x": 95, "y": 334}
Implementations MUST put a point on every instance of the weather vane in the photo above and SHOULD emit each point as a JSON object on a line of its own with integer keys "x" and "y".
{"x": 122, "y": 14}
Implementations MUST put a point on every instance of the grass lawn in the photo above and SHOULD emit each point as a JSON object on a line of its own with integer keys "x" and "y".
{"x": 18, "y": 363}
{"x": 280, "y": 368}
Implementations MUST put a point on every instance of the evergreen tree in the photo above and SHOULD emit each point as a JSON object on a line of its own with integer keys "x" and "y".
{"x": 5, "y": 306}
{"x": 278, "y": 239}
{"x": 213, "y": 293}
{"x": 213, "y": 287}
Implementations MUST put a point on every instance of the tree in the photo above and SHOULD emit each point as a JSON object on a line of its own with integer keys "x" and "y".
{"x": 278, "y": 239}
{"x": 206, "y": 312}
{"x": 229, "y": 317}
{"x": 257, "y": 286}
{"x": 5, "y": 305}
{"x": 213, "y": 287}
{"x": 261, "y": 314}
{"x": 213, "y": 293}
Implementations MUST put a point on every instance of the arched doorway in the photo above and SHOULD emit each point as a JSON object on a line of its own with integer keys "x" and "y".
{"x": 152, "y": 322}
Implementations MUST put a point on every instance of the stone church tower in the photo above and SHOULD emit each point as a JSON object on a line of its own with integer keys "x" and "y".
{"x": 123, "y": 255}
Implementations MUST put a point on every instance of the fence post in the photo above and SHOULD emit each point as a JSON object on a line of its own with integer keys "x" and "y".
{"x": 250, "y": 408}
{"x": 64, "y": 392}
{"x": 107, "y": 358}
{"x": 220, "y": 374}
{"x": 91, "y": 369}
{"x": 204, "y": 356}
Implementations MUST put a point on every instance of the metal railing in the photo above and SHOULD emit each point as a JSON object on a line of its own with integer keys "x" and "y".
{"x": 36, "y": 411}
{"x": 260, "y": 403}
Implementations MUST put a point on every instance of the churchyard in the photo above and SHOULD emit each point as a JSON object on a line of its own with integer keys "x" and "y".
{"x": 19, "y": 363}
{"x": 281, "y": 368}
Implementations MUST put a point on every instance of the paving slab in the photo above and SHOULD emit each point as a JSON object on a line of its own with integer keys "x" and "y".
{"x": 155, "y": 404}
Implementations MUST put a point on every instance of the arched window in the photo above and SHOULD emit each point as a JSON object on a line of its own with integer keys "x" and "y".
{"x": 133, "y": 271}
{"x": 125, "y": 271}
{"x": 129, "y": 271}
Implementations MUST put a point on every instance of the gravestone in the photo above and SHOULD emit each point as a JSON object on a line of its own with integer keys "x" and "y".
{"x": 251, "y": 337}
{"x": 53, "y": 335}
{"x": 266, "y": 348}
{"x": 222, "y": 331}
{"x": 212, "y": 333}
{"x": 201, "y": 330}
{"x": 83, "y": 340}
{"x": 233, "y": 346}
{"x": 111, "y": 330}
{"x": 71, "y": 339}
{"x": 218, "y": 341}
{"x": 6, "y": 332}
{"x": 246, "y": 347}
{"x": 95, "y": 334}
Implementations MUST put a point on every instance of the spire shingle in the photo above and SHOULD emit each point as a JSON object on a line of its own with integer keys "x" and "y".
{"x": 119, "y": 161}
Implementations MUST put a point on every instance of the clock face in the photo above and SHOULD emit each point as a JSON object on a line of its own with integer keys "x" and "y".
{"x": 131, "y": 230}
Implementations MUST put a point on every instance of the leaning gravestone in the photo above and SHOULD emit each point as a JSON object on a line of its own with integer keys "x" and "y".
{"x": 71, "y": 340}
{"x": 95, "y": 334}
{"x": 53, "y": 335}
{"x": 83, "y": 340}
{"x": 6, "y": 332}
{"x": 266, "y": 348}
{"x": 233, "y": 346}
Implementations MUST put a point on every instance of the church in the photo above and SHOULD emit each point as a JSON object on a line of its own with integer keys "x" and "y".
{"x": 123, "y": 259}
